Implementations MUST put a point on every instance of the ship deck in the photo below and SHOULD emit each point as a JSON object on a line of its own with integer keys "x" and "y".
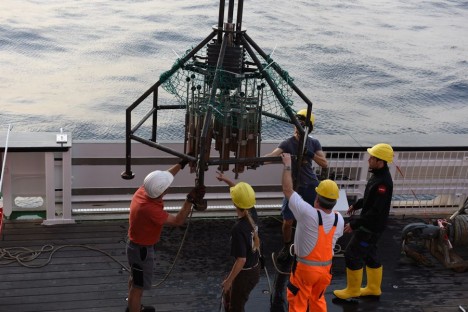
{"x": 86, "y": 273}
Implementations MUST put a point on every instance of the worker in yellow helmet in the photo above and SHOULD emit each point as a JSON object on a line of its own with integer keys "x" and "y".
{"x": 318, "y": 228}
{"x": 245, "y": 247}
{"x": 308, "y": 180}
{"x": 368, "y": 228}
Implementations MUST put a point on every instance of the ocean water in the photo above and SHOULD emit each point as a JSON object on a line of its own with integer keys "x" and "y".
{"x": 369, "y": 67}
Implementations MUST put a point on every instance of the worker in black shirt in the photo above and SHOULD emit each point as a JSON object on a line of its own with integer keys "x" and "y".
{"x": 245, "y": 247}
{"x": 368, "y": 227}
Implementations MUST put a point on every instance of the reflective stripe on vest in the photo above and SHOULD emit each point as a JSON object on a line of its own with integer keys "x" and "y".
{"x": 314, "y": 263}
{"x": 322, "y": 254}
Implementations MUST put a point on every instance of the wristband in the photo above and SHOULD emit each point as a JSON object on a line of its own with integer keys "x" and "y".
{"x": 287, "y": 168}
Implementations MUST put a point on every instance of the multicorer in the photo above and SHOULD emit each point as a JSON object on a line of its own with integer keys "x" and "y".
{"x": 226, "y": 88}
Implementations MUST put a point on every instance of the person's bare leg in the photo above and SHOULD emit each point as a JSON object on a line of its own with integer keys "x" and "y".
{"x": 134, "y": 297}
{"x": 130, "y": 280}
{"x": 287, "y": 231}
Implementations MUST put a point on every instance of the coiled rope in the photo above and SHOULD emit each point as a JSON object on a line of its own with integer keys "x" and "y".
{"x": 460, "y": 235}
{"x": 459, "y": 229}
{"x": 24, "y": 256}
{"x": 273, "y": 259}
{"x": 338, "y": 252}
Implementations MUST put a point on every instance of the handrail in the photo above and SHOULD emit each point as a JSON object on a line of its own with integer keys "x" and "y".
{"x": 446, "y": 185}
{"x": 430, "y": 181}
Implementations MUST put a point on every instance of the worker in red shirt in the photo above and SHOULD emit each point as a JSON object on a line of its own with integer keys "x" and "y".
{"x": 146, "y": 221}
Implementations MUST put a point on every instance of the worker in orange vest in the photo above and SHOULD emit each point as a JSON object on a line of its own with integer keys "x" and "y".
{"x": 318, "y": 228}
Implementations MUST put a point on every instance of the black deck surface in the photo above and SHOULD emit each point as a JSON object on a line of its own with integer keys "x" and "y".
{"x": 82, "y": 279}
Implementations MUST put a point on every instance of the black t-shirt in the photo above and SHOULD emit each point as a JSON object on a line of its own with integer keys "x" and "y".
{"x": 242, "y": 242}
{"x": 291, "y": 146}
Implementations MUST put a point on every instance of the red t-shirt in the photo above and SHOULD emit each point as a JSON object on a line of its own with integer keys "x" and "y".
{"x": 147, "y": 217}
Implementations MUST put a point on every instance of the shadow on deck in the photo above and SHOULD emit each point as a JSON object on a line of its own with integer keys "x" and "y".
{"x": 82, "y": 279}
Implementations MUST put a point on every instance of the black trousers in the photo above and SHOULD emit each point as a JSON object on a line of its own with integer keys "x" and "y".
{"x": 241, "y": 288}
{"x": 362, "y": 251}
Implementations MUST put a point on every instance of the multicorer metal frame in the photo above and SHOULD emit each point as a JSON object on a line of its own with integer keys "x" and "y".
{"x": 226, "y": 46}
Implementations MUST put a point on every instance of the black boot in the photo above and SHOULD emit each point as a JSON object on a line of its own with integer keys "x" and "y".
{"x": 144, "y": 309}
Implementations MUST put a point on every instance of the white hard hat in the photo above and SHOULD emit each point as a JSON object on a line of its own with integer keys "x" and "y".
{"x": 157, "y": 182}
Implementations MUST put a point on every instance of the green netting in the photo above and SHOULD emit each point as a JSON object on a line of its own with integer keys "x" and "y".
{"x": 241, "y": 95}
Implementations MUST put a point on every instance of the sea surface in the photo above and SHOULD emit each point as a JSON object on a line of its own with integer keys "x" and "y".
{"x": 369, "y": 66}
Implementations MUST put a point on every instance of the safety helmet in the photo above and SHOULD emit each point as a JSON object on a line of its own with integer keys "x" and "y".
{"x": 303, "y": 113}
{"x": 243, "y": 195}
{"x": 328, "y": 189}
{"x": 157, "y": 182}
{"x": 382, "y": 151}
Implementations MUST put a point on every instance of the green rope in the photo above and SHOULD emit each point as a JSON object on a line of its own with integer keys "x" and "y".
{"x": 191, "y": 83}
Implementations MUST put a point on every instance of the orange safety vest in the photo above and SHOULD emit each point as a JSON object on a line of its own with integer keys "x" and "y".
{"x": 322, "y": 254}
{"x": 311, "y": 274}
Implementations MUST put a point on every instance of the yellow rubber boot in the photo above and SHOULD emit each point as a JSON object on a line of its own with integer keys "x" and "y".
{"x": 374, "y": 280}
{"x": 353, "y": 288}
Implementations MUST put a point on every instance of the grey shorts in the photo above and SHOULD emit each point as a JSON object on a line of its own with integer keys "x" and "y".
{"x": 140, "y": 258}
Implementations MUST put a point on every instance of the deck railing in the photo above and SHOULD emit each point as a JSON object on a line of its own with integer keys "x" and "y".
{"x": 427, "y": 179}
{"x": 424, "y": 181}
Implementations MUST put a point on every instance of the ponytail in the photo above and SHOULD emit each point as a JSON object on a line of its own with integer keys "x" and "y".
{"x": 256, "y": 238}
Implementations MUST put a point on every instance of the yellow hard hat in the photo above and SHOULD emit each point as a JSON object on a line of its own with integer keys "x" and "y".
{"x": 382, "y": 151}
{"x": 328, "y": 189}
{"x": 303, "y": 113}
{"x": 243, "y": 195}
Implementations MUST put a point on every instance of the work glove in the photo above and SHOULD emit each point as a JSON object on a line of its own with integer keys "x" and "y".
{"x": 255, "y": 165}
{"x": 184, "y": 161}
{"x": 196, "y": 194}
